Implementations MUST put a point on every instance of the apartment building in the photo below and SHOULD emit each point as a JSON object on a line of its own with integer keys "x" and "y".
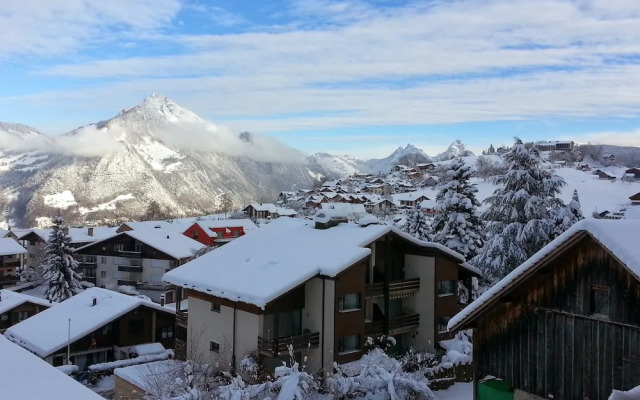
{"x": 320, "y": 287}
{"x": 136, "y": 258}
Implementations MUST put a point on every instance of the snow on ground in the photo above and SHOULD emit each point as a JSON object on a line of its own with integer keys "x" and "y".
{"x": 62, "y": 200}
{"x": 109, "y": 205}
{"x": 459, "y": 391}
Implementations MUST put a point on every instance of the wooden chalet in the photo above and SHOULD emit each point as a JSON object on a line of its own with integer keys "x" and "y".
{"x": 635, "y": 199}
{"x": 11, "y": 260}
{"x": 566, "y": 323}
{"x": 16, "y": 307}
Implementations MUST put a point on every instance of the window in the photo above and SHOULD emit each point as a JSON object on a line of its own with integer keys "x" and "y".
{"x": 349, "y": 302}
{"x": 195, "y": 235}
{"x": 103, "y": 274}
{"x": 135, "y": 327}
{"x": 599, "y": 300}
{"x": 173, "y": 264}
{"x": 4, "y": 317}
{"x": 135, "y": 262}
{"x": 103, "y": 260}
{"x": 446, "y": 287}
{"x": 290, "y": 323}
{"x": 22, "y": 315}
{"x": 236, "y": 233}
{"x": 213, "y": 346}
{"x": 90, "y": 259}
{"x": 215, "y": 307}
{"x": 118, "y": 247}
{"x": 32, "y": 242}
{"x": 106, "y": 331}
{"x": 348, "y": 343}
{"x": 442, "y": 324}
{"x": 164, "y": 332}
{"x": 137, "y": 247}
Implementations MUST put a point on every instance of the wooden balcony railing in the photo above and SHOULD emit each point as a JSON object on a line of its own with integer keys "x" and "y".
{"x": 397, "y": 289}
{"x": 279, "y": 346}
{"x": 130, "y": 268}
{"x": 127, "y": 282}
{"x": 129, "y": 253}
{"x": 182, "y": 318}
{"x": 402, "y": 324}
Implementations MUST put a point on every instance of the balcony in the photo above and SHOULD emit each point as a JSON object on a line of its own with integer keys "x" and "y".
{"x": 279, "y": 346}
{"x": 182, "y": 318}
{"x": 397, "y": 289}
{"x": 397, "y": 325}
{"x": 127, "y": 282}
{"x": 130, "y": 268}
{"x": 128, "y": 253}
{"x": 87, "y": 265}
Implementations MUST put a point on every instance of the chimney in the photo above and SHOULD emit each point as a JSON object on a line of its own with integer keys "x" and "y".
{"x": 95, "y": 301}
{"x": 167, "y": 236}
{"x": 90, "y": 231}
{"x": 162, "y": 299}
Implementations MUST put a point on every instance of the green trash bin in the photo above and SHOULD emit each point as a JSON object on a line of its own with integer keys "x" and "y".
{"x": 495, "y": 390}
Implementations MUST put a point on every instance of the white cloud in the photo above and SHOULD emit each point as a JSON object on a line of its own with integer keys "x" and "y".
{"x": 347, "y": 63}
{"x": 44, "y": 28}
{"x": 631, "y": 138}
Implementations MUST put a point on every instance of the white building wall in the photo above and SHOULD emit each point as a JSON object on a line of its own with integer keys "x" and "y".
{"x": 423, "y": 301}
{"x": 205, "y": 326}
{"x": 152, "y": 270}
{"x": 329, "y": 323}
{"x": 312, "y": 320}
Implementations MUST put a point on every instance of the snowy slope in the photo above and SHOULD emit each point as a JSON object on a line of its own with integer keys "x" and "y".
{"x": 338, "y": 165}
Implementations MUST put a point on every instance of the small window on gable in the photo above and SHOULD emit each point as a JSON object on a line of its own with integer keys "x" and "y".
{"x": 599, "y": 303}
{"x": 215, "y": 347}
{"x": 349, "y": 302}
{"x": 215, "y": 307}
{"x": 446, "y": 287}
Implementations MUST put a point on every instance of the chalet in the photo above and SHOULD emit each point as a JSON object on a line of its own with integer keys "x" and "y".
{"x": 135, "y": 258}
{"x": 147, "y": 225}
{"x": 315, "y": 201}
{"x": 428, "y": 207}
{"x": 374, "y": 206}
{"x": 431, "y": 181}
{"x": 635, "y": 199}
{"x": 400, "y": 168}
{"x": 584, "y": 167}
{"x": 377, "y": 181}
{"x": 409, "y": 200}
{"x": 16, "y": 307}
{"x": 34, "y": 240}
{"x": 11, "y": 261}
{"x": 215, "y": 233}
{"x": 608, "y": 160}
{"x": 566, "y": 323}
{"x": 604, "y": 175}
{"x": 426, "y": 167}
{"x": 26, "y": 377}
{"x": 99, "y": 325}
{"x": 83, "y": 236}
{"x": 632, "y": 174}
{"x": 319, "y": 286}
{"x": 267, "y": 211}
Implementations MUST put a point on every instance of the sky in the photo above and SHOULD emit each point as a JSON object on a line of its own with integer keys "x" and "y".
{"x": 347, "y": 77}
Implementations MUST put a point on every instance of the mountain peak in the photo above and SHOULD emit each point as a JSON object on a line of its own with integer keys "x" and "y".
{"x": 455, "y": 150}
{"x": 162, "y": 108}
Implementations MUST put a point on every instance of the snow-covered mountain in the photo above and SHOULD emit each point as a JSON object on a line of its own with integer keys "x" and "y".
{"x": 345, "y": 165}
{"x": 455, "y": 150}
{"x": 158, "y": 151}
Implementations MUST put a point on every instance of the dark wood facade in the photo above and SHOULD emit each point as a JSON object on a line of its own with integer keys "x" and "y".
{"x": 19, "y": 313}
{"x": 570, "y": 329}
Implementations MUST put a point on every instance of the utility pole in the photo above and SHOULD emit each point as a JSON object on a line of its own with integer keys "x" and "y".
{"x": 69, "y": 343}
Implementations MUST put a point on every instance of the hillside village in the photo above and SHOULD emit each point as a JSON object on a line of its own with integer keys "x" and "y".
{"x": 330, "y": 280}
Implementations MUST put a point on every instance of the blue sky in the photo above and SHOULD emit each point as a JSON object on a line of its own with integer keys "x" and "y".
{"x": 357, "y": 77}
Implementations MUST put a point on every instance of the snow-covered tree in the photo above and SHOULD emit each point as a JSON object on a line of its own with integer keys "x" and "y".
{"x": 574, "y": 205}
{"x": 519, "y": 221}
{"x": 456, "y": 223}
{"x": 61, "y": 279}
{"x": 417, "y": 224}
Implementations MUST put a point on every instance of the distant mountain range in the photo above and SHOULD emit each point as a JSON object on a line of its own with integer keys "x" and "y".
{"x": 335, "y": 165}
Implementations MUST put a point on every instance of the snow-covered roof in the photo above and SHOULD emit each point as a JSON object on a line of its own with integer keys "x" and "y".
{"x": 617, "y": 236}
{"x": 10, "y": 300}
{"x": 9, "y": 247}
{"x": 26, "y": 377}
{"x": 428, "y": 204}
{"x": 41, "y": 233}
{"x": 345, "y": 208}
{"x": 409, "y": 196}
{"x": 260, "y": 267}
{"x": 46, "y": 332}
{"x": 171, "y": 243}
{"x": 148, "y": 349}
{"x": 139, "y": 375}
{"x": 81, "y": 235}
{"x": 246, "y": 224}
{"x": 176, "y": 226}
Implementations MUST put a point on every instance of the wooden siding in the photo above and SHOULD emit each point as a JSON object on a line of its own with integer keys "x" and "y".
{"x": 542, "y": 337}
{"x": 106, "y": 248}
{"x": 350, "y": 323}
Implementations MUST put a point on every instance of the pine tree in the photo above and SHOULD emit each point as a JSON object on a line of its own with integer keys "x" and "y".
{"x": 574, "y": 205}
{"x": 417, "y": 224}
{"x": 61, "y": 279}
{"x": 518, "y": 219}
{"x": 456, "y": 224}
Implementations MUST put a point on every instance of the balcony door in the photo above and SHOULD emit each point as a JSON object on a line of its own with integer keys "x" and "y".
{"x": 290, "y": 323}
